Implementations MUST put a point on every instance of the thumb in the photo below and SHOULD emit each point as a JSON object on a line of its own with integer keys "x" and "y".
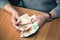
{"x": 34, "y": 20}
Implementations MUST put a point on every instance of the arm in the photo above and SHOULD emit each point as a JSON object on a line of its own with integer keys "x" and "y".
{"x": 56, "y": 11}
{"x": 10, "y": 9}
{"x": 42, "y": 18}
{"x": 5, "y": 5}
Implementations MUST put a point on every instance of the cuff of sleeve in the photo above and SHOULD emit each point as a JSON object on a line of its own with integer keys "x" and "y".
{"x": 57, "y": 12}
{"x": 3, "y": 3}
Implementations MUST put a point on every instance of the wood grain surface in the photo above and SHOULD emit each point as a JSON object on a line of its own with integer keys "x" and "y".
{"x": 49, "y": 31}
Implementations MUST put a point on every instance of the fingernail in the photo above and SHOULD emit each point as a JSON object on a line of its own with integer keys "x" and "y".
{"x": 17, "y": 24}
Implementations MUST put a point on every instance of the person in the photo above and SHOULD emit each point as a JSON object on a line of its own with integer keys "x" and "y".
{"x": 50, "y": 7}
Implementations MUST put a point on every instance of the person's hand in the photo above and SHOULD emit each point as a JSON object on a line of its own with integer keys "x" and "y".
{"x": 15, "y": 20}
{"x": 40, "y": 19}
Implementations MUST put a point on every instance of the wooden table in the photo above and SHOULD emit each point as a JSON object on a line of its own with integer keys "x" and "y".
{"x": 49, "y": 31}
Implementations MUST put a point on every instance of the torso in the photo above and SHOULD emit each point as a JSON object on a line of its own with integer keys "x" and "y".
{"x": 41, "y": 5}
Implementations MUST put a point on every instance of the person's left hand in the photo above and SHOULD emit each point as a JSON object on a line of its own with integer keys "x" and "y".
{"x": 40, "y": 19}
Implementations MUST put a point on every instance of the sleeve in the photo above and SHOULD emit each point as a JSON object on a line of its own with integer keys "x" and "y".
{"x": 3, "y": 3}
{"x": 57, "y": 8}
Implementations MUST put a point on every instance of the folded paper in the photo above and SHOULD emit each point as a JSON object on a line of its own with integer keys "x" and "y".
{"x": 26, "y": 27}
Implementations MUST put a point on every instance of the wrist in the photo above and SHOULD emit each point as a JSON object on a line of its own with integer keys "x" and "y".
{"x": 46, "y": 16}
{"x": 53, "y": 13}
{"x": 10, "y": 9}
{"x": 50, "y": 16}
{"x": 14, "y": 12}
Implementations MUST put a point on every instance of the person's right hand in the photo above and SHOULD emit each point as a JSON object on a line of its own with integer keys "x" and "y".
{"x": 15, "y": 20}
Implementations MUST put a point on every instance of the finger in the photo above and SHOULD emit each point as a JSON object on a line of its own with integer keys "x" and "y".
{"x": 15, "y": 26}
{"x": 15, "y": 20}
{"x": 34, "y": 20}
{"x": 18, "y": 22}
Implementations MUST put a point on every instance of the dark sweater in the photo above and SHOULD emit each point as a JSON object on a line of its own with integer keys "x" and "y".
{"x": 41, "y": 5}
